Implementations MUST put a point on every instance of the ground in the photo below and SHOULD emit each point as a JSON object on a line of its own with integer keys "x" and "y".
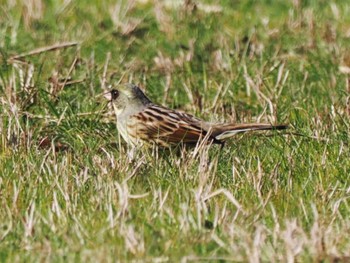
{"x": 69, "y": 190}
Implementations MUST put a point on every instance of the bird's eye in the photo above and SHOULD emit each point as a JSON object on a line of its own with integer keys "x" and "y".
{"x": 115, "y": 94}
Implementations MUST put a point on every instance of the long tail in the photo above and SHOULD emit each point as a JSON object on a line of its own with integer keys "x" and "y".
{"x": 225, "y": 131}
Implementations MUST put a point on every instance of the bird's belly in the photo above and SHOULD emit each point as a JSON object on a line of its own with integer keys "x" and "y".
{"x": 124, "y": 133}
{"x": 130, "y": 137}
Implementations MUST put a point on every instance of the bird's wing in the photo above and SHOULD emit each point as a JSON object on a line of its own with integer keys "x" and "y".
{"x": 165, "y": 125}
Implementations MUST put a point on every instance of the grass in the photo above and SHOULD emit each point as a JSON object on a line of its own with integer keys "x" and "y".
{"x": 68, "y": 190}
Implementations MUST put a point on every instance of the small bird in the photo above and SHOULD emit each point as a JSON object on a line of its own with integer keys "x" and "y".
{"x": 140, "y": 122}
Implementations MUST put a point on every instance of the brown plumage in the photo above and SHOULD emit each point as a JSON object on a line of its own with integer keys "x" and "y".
{"x": 139, "y": 121}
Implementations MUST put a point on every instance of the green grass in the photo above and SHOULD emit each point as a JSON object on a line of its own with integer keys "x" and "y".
{"x": 78, "y": 197}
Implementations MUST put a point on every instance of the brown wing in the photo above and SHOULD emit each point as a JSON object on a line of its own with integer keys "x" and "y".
{"x": 165, "y": 126}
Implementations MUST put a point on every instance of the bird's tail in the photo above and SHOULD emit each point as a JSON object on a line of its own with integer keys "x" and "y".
{"x": 225, "y": 131}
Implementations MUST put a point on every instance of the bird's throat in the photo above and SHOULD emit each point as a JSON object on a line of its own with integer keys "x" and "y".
{"x": 117, "y": 110}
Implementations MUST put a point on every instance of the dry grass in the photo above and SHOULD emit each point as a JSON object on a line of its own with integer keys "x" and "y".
{"x": 68, "y": 187}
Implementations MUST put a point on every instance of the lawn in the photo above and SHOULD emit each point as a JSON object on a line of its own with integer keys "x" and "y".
{"x": 69, "y": 190}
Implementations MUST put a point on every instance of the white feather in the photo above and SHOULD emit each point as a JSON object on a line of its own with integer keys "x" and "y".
{"x": 228, "y": 134}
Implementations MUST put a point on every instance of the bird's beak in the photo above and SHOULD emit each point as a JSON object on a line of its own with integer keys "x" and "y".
{"x": 106, "y": 95}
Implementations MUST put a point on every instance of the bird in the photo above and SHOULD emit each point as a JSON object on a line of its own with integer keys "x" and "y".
{"x": 142, "y": 122}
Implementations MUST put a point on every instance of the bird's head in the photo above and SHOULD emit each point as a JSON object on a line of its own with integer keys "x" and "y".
{"x": 126, "y": 96}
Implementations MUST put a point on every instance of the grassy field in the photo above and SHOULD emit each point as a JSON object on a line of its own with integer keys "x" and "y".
{"x": 68, "y": 190}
